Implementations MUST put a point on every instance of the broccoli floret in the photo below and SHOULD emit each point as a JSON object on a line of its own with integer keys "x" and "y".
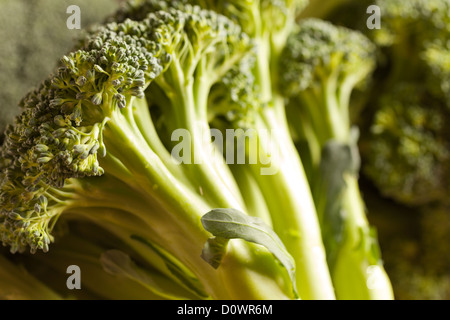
{"x": 322, "y": 65}
{"x": 408, "y": 149}
{"x": 322, "y": 58}
{"x": 412, "y": 23}
{"x": 268, "y": 23}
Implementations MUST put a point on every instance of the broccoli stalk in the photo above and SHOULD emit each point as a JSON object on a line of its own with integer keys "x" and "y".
{"x": 321, "y": 65}
{"x": 80, "y": 147}
{"x": 199, "y": 59}
{"x": 139, "y": 272}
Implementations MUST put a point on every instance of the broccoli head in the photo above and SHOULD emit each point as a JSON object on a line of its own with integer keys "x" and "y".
{"x": 408, "y": 149}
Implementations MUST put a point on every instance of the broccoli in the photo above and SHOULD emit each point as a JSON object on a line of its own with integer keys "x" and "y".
{"x": 200, "y": 149}
{"x": 29, "y": 29}
{"x": 408, "y": 146}
{"x": 85, "y": 145}
{"x": 322, "y": 65}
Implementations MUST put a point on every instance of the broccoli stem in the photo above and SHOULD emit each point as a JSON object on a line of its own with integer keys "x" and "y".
{"x": 291, "y": 207}
{"x": 188, "y": 107}
{"x": 141, "y": 114}
{"x": 204, "y": 166}
{"x": 287, "y": 191}
{"x": 262, "y": 72}
{"x": 351, "y": 269}
{"x": 183, "y": 208}
{"x": 138, "y": 224}
{"x": 84, "y": 246}
{"x": 254, "y": 199}
{"x": 357, "y": 273}
{"x": 136, "y": 219}
{"x": 333, "y": 112}
{"x": 240, "y": 273}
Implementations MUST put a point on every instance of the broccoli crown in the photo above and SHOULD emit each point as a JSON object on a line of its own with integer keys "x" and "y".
{"x": 318, "y": 51}
{"x": 408, "y": 149}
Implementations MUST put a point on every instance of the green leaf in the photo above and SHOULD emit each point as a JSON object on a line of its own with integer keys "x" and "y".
{"x": 226, "y": 224}
{"x": 338, "y": 159}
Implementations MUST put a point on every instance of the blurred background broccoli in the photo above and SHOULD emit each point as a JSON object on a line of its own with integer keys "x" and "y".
{"x": 405, "y": 144}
